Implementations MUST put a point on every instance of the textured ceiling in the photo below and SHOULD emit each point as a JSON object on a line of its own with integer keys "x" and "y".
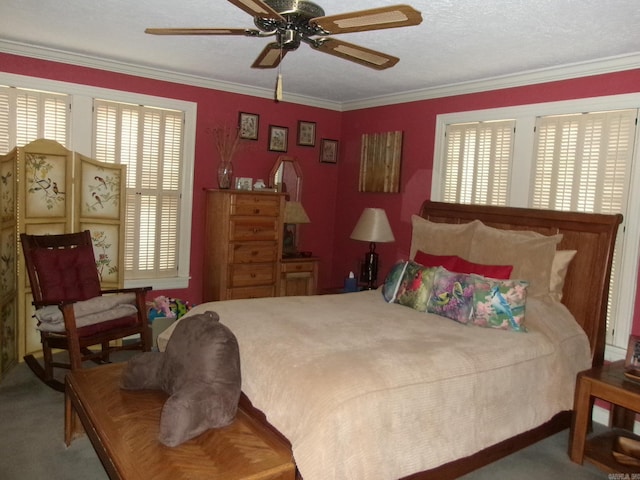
{"x": 458, "y": 41}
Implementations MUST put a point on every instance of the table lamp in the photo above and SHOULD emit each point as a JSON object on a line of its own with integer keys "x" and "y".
{"x": 373, "y": 226}
{"x": 294, "y": 214}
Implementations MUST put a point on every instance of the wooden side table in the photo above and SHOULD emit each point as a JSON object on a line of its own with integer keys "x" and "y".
{"x": 299, "y": 276}
{"x": 611, "y": 385}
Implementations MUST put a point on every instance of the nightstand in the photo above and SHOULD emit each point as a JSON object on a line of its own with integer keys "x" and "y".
{"x": 298, "y": 276}
{"x": 611, "y": 385}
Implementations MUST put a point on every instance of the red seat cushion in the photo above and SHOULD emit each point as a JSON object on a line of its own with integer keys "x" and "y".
{"x": 68, "y": 273}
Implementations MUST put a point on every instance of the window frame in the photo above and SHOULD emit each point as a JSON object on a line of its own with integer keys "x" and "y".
{"x": 80, "y": 139}
{"x": 521, "y": 181}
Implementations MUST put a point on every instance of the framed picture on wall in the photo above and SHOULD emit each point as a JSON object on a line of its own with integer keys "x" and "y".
{"x": 328, "y": 151}
{"x": 248, "y": 124}
{"x": 278, "y": 138}
{"x": 306, "y": 133}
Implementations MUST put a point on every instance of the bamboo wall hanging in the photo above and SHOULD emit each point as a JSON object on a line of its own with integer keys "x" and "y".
{"x": 380, "y": 159}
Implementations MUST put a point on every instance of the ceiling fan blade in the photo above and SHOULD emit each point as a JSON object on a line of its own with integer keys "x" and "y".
{"x": 257, "y": 8}
{"x": 355, "y": 53}
{"x": 201, "y": 31}
{"x": 372, "y": 19}
{"x": 270, "y": 57}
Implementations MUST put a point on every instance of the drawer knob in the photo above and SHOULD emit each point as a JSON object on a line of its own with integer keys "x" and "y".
{"x": 256, "y": 211}
{"x": 254, "y": 253}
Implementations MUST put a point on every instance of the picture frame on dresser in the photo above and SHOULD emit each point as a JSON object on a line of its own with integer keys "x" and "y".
{"x": 632, "y": 359}
{"x": 244, "y": 183}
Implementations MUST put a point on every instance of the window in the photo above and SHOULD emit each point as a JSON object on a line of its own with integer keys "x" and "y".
{"x": 154, "y": 136}
{"x": 478, "y": 162}
{"x": 580, "y": 162}
{"x": 37, "y": 114}
{"x": 149, "y": 142}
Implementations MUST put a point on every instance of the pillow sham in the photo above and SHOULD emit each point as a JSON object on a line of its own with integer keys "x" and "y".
{"x": 453, "y": 263}
{"x": 499, "y": 303}
{"x": 441, "y": 238}
{"x": 531, "y": 254}
{"x": 451, "y": 295}
{"x": 409, "y": 284}
{"x": 559, "y": 268}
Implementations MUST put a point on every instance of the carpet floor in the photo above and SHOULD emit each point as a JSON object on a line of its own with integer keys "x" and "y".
{"x": 32, "y": 442}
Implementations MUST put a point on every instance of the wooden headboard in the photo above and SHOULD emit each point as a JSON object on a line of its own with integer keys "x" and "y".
{"x": 586, "y": 287}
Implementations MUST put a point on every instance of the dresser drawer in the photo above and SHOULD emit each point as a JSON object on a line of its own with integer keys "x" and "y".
{"x": 244, "y": 275}
{"x": 264, "y": 206}
{"x": 287, "y": 267}
{"x": 247, "y": 228}
{"x": 253, "y": 252}
{"x": 251, "y": 292}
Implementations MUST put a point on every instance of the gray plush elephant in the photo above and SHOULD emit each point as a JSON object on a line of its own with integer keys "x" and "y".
{"x": 200, "y": 371}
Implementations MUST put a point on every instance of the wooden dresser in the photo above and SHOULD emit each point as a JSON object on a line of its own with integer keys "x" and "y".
{"x": 243, "y": 244}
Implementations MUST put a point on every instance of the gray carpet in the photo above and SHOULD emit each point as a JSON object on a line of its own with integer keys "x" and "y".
{"x": 32, "y": 442}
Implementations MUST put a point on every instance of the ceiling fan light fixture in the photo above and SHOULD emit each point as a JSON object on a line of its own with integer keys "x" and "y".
{"x": 296, "y": 21}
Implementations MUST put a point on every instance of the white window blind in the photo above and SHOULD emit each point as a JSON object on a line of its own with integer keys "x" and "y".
{"x": 149, "y": 141}
{"x": 583, "y": 163}
{"x": 477, "y": 164}
{"x": 26, "y": 115}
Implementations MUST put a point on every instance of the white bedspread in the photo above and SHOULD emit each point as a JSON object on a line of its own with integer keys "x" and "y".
{"x": 368, "y": 390}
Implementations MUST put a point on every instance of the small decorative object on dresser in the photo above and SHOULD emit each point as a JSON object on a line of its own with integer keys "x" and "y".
{"x": 632, "y": 361}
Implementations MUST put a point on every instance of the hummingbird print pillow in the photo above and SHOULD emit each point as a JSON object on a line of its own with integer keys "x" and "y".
{"x": 452, "y": 295}
{"x": 499, "y": 303}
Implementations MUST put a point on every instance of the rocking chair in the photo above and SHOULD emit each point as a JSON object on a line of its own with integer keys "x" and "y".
{"x": 72, "y": 312}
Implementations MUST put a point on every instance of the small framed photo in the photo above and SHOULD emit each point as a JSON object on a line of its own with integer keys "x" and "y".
{"x": 632, "y": 360}
{"x": 306, "y": 133}
{"x": 278, "y": 138}
{"x": 244, "y": 183}
{"x": 328, "y": 151}
{"x": 248, "y": 124}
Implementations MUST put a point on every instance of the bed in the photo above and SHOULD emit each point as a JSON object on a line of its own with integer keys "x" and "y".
{"x": 366, "y": 389}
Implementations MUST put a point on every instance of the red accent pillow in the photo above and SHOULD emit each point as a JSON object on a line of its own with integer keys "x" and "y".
{"x": 67, "y": 274}
{"x": 453, "y": 263}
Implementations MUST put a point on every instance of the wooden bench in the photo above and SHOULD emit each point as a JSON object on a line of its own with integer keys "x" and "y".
{"x": 123, "y": 427}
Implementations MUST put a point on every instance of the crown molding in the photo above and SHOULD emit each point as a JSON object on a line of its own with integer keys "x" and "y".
{"x": 43, "y": 53}
{"x": 532, "y": 77}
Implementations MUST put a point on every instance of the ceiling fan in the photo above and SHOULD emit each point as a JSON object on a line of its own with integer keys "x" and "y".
{"x": 294, "y": 21}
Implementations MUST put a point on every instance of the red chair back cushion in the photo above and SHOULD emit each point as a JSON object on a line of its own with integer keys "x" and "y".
{"x": 67, "y": 274}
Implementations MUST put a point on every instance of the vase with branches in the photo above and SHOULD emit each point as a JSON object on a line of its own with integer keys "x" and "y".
{"x": 227, "y": 141}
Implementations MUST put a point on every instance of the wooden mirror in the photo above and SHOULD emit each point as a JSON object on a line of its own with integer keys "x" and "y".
{"x": 286, "y": 176}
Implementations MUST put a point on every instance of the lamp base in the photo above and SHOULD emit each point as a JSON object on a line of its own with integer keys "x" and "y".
{"x": 369, "y": 272}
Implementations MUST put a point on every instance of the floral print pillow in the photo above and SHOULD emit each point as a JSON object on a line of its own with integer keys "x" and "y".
{"x": 499, "y": 303}
{"x": 452, "y": 295}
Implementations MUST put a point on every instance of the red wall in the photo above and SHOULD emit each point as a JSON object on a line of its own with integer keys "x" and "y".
{"x": 417, "y": 121}
{"x": 330, "y": 192}
{"x": 216, "y": 108}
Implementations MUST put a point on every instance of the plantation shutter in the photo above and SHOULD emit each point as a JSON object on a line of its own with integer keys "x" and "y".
{"x": 582, "y": 163}
{"x": 477, "y": 165}
{"x": 26, "y": 115}
{"x": 149, "y": 141}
